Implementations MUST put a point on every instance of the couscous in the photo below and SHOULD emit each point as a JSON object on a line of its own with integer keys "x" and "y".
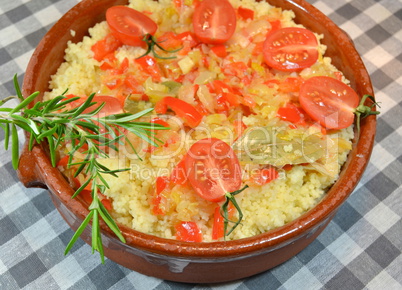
{"x": 233, "y": 93}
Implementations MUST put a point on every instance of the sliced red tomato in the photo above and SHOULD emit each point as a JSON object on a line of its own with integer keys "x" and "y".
{"x": 329, "y": 102}
{"x": 227, "y": 95}
{"x": 187, "y": 36}
{"x": 159, "y": 121}
{"x": 214, "y": 21}
{"x": 258, "y": 48}
{"x": 183, "y": 41}
{"x": 178, "y": 175}
{"x": 237, "y": 68}
{"x": 290, "y": 49}
{"x": 245, "y": 13}
{"x": 220, "y": 87}
{"x": 129, "y": 25}
{"x": 106, "y": 65}
{"x": 106, "y": 47}
{"x": 161, "y": 184}
{"x": 188, "y": 231}
{"x": 275, "y": 24}
{"x": 182, "y": 109}
{"x": 219, "y": 50}
{"x": 178, "y": 3}
{"x": 218, "y": 226}
{"x": 63, "y": 161}
{"x": 112, "y": 82}
{"x": 156, "y": 202}
{"x": 169, "y": 41}
{"x": 150, "y": 67}
{"x": 107, "y": 203}
{"x": 213, "y": 169}
{"x": 290, "y": 85}
{"x": 291, "y": 113}
{"x": 86, "y": 195}
{"x": 122, "y": 68}
{"x": 132, "y": 84}
{"x": 188, "y": 41}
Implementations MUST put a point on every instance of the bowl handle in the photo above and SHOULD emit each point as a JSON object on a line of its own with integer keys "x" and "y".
{"x": 28, "y": 171}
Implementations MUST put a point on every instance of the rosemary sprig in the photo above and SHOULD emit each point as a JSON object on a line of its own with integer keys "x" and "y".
{"x": 230, "y": 197}
{"x": 151, "y": 43}
{"x": 52, "y": 122}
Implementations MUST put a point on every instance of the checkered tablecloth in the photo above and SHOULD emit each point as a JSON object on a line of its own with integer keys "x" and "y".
{"x": 361, "y": 247}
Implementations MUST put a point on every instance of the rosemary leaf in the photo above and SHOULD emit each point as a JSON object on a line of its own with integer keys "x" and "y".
{"x": 101, "y": 178}
{"x": 51, "y": 104}
{"x": 17, "y": 88}
{"x": 65, "y": 102}
{"x": 6, "y": 135}
{"x": 45, "y": 134}
{"x": 149, "y": 126}
{"x": 95, "y": 230}
{"x": 79, "y": 110}
{"x": 111, "y": 223}
{"x": 52, "y": 150}
{"x": 31, "y": 141}
{"x": 81, "y": 188}
{"x": 78, "y": 232}
{"x": 136, "y": 115}
{"x": 25, "y": 102}
{"x": 14, "y": 147}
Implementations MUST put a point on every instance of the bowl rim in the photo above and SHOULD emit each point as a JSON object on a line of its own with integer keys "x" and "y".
{"x": 349, "y": 177}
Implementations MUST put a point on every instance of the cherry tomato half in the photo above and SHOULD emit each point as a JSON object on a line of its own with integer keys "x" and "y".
{"x": 213, "y": 169}
{"x": 290, "y": 49}
{"x": 329, "y": 102}
{"x": 129, "y": 25}
{"x": 214, "y": 21}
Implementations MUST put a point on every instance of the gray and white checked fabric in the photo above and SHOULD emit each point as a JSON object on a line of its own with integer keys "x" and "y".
{"x": 361, "y": 247}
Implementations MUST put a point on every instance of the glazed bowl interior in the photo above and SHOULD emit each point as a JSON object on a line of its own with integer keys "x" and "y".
{"x": 49, "y": 55}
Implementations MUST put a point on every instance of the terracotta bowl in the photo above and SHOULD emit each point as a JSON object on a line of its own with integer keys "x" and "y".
{"x": 198, "y": 262}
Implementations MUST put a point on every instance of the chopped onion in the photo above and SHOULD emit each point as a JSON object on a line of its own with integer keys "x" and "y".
{"x": 205, "y": 77}
{"x": 206, "y": 99}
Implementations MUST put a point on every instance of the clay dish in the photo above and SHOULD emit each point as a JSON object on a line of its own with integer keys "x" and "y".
{"x": 198, "y": 262}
